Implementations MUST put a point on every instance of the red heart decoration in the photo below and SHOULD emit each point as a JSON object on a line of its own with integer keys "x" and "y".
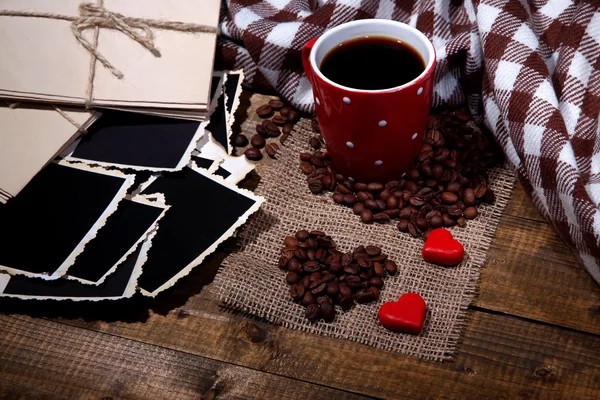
{"x": 441, "y": 248}
{"x": 405, "y": 315}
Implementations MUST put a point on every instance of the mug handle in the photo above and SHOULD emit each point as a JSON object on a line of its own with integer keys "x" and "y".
{"x": 306, "y": 58}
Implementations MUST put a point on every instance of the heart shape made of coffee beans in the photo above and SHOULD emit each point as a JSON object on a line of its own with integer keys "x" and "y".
{"x": 441, "y": 248}
{"x": 405, "y": 315}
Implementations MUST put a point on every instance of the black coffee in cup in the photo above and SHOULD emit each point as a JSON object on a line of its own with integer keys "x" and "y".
{"x": 372, "y": 63}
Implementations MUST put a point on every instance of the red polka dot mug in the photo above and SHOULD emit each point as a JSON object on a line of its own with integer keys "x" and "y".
{"x": 371, "y": 135}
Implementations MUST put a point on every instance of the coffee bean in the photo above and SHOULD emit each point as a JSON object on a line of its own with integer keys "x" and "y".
{"x": 461, "y": 222}
{"x": 276, "y": 104}
{"x": 257, "y": 141}
{"x": 364, "y": 262}
{"x": 312, "y": 312}
{"x": 392, "y": 202}
{"x": 292, "y": 278}
{"x": 271, "y": 149}
{"x": 381, "y": 204}
{"x": 253, "y": 154}
{"x": 264, "y": 111}
{"x": 358, "y": 208}
{"x": 297, "y": 291}
{"x": 240, "y": 141}
{"x": 349, "y": 200}
{"x": 469, "y": 197}
{"x": 290, "y": 241}
{"x": 318, "y": 287}
{"x": 366, "y": 216}
{"x": 411, "y": 187}
{"x": 302, "y": 235}
{"x": 271, "y": 129}
{"x": 308, "y": 299}
{"x": 381, "y": 217}
{"x": 390, "y": 267}
{"x": 373, "y": 250}
{"x": 364, "y": 296}
{"x": 338, "y": 198}
{"x": 412, "y": 229}
{"x": 374, "y": 187}
{"x": 462, "y": 114}
{"x": 470, "y": 212}
{"x": 283, "y": 138}
{"x": 333, "y": 289}
{"x": 305, "y": 282}
{"x": 293, "y": 115}
{"x": 327, "y": 311}
{"x": 287, "y": 128}
{"x": 435, "y": 221}
{"x": 403, "y": 225}
{"x": 279, "y": 120}
{"x": 312, "y": 242}
{"x": 351, "y": 269}
{"x": 315, "y": 186}
{"x": 448, "y": 221}
{"x": 371, "y": 204}
{"x": 314, "y": 143}
{"x": 285, "y": 110}
{"x": 448, "y": 198}
{"x": 422, "y": 224}
{"x": 305, "y": 156}
{"x": 260, "y": 129}
{"x": 376, "y": 281}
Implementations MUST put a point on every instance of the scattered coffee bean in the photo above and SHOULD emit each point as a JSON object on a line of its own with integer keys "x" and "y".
{"x": 271, "y": 149}
{"x": 264, "y": 111}
{"x": 240, "y": 141}
{"x": 276, "y": 104}
{"x": 287, "y": 128}
{"x": 314, "y": 143}
{"x": 284, "y": 138}
{"x": 253, "y": 154}
{"x": 257, "y": 141}
{"x": 279, "y": 120}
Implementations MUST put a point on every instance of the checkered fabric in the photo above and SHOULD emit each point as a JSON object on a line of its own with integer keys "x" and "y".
{"x": 529, "y": 69}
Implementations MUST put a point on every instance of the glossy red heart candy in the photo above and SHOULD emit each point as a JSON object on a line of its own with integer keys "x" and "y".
{"x": 405, "y": 315}
{"x": 441, "y": 248}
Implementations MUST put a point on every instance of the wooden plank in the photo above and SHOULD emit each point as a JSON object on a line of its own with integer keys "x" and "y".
{"x": 521, "y": 205}
{"x": 500, "y": 355}
{"x": 530, "y": 272}
{"x": 43, "y": 359}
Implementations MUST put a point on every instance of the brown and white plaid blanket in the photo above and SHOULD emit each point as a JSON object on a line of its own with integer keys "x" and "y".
{"x": 529, "y": 69}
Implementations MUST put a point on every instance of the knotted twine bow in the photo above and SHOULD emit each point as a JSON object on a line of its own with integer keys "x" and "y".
{"x": 96, "y": 16}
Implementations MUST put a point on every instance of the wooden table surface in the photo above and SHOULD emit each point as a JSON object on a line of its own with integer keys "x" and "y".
{"x": 533, "y": 332}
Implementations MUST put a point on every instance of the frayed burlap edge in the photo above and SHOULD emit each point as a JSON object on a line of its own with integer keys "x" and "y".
{"x": 250, "y": 281}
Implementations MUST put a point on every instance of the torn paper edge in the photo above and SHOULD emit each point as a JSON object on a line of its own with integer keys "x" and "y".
{"x": 185, "y": 158}
{"x": 230, "y": 232}
{"x": 128, "y": 181}
{"x": 229, "y": 117}
{"x": 237, "y": 166}
{"x": 152, "y": 200}
{"x": 128, "y": 291}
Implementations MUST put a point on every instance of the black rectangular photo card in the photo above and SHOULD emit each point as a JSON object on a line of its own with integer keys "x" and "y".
{"x": 121, "y": 284}
{"x": 139, "y": 142}
{"x": 49, "y": 223}
{"x": 125, "y": 229}
{"x": 204, "y": 212}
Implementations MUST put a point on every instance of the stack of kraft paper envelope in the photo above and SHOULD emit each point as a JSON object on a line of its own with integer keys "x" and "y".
{"x": 62, "y": 61}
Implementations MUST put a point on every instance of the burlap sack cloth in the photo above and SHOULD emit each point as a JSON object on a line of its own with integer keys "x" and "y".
{"x": 250, "y": 280}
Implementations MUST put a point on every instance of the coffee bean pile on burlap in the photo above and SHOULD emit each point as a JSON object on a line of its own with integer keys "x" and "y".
{"x": 320, "y": 276}
{"x": 279, "y": 121}
{"x": 445, "y": 186}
